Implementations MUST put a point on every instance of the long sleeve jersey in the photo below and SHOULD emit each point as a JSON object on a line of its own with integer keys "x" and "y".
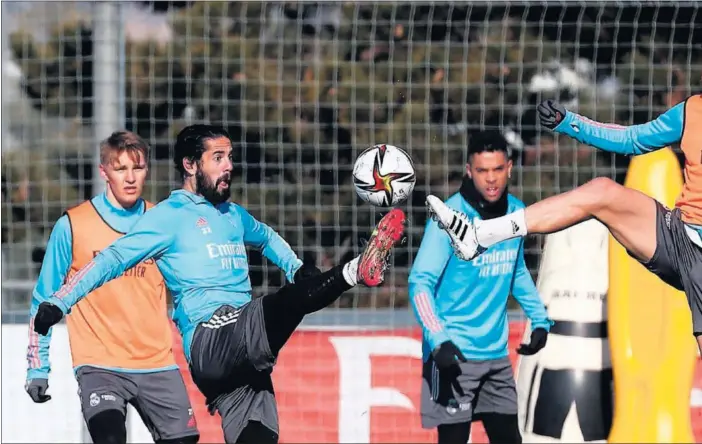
{"x": 199, "y": 248}
{"x": 681, "y": 124}
{"x": 631, "y": 140}
{"x": 466, "y": 301}
{"x": 55, "y": 267}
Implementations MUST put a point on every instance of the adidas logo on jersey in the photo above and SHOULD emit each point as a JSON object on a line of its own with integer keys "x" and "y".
{"x": 203, "y": 225}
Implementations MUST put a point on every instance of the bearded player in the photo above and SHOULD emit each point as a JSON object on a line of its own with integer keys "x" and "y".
{"x": 198, "y": 240}
{"x": 121, "y": 337}
{"x": 667, "y": 242}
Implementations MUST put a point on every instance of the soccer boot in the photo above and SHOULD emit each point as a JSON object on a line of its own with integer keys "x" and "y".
{"x": 375, "y": 257}
{"x": 460, "y": 229}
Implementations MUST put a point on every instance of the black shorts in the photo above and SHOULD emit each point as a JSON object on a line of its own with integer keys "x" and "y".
{"x": 231, "y": 364}
{"x": 678, "y": 260}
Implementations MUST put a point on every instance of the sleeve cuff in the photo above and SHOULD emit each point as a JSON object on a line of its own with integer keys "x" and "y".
{"x": 37, "y": 373}
{"x": 296, "y": 266}
{"x": 564, "y": 126}
{"x": 60, "y": 304}
{"x": 437, "y": 339}
{"x": 545, "y": 324}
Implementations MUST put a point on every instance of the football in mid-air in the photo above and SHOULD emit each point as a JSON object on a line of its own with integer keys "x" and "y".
{"x": 384, "y": 176}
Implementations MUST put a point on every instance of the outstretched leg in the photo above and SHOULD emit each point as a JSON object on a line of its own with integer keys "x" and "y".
{"x": 283, "y": 311}
{"x": 628, "y": 214}
{"x": 654, "y": 235}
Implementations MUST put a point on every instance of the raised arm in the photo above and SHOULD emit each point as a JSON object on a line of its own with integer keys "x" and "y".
{"x": 628, "y": 140}
{"x": 151, "y": 236}
{"x": 272, "y": 245}
{"x": 429, "y": 264}
{"x": 54, "y": 269}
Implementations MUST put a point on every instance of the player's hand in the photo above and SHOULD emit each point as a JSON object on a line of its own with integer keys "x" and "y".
{"x": 551, "y": 114}
{"x": 538, "y": 341}
{"x": 306, "y": 271}
{"x": 47, "y": 316}
{"x": 447, "y": 358}
{"x": 36, "y": 388}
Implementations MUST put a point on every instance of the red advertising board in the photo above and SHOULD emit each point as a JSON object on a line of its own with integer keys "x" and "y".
{"x": 355, "y": 386}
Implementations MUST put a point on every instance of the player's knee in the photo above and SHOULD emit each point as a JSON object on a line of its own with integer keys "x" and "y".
{"x": 601, "y": 192}
{"x": 108, "y": 427}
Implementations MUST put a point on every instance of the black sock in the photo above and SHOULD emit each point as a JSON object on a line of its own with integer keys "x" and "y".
{"x": 283, "y": 311}
{"x": 316, "y": 294}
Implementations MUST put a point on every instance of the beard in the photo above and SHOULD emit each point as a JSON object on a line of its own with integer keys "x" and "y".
{"x": 210, "y": 191}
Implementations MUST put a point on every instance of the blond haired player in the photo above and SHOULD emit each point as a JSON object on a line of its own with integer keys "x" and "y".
{"x": 121, "y": 339}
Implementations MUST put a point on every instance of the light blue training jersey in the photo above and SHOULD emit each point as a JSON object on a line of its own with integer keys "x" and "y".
{"x": 200, "y": 250}
{"x": 55, "y": 266}
{"x": 466, "y": 301}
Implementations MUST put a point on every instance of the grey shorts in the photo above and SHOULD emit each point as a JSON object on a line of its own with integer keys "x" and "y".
{"x": 160, "y": 398}
{"x": 678, "y": 261}
{"x": 482, "y": 387}
{"x": 231, "y": 364}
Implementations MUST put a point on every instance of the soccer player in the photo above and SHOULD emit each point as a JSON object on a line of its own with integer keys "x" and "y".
{"x": 121, "y": 337}
{"x": 198, "y": 240}
{"x": 667, "y": 242}
{"x": 462, "y": 308}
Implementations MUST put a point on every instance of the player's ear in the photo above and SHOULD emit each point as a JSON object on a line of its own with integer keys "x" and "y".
{"x": 510, "y": 164}
{"x": 103, "y": 172}
{"x": 190, "y": 166}
{"x": 468, "y": 170}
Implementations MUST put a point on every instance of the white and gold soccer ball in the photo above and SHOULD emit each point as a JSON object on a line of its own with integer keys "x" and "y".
{"x": 384, "y": 176}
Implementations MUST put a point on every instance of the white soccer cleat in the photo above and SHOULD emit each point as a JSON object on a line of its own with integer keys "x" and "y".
{"x": 460, "y": 229}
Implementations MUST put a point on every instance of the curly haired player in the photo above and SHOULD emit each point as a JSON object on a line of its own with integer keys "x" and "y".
{"x": 198, "y": 240}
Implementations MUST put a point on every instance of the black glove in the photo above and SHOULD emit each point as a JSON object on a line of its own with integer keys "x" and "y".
{"x": 47, "y": 316}
{"x": 36, "y": 388}
{"x": 447, "y": 357}
{"x": 538, "y": 341}
{"x": 306, "y": 271}
{"x": 550, "y": 113}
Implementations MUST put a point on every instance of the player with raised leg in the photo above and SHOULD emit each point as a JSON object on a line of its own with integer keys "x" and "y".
{"x": 121, "y": 337}
{"x": 198, "y": 240}
{"x": 667, "y": 242}
{"x": 462, "y": 308}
